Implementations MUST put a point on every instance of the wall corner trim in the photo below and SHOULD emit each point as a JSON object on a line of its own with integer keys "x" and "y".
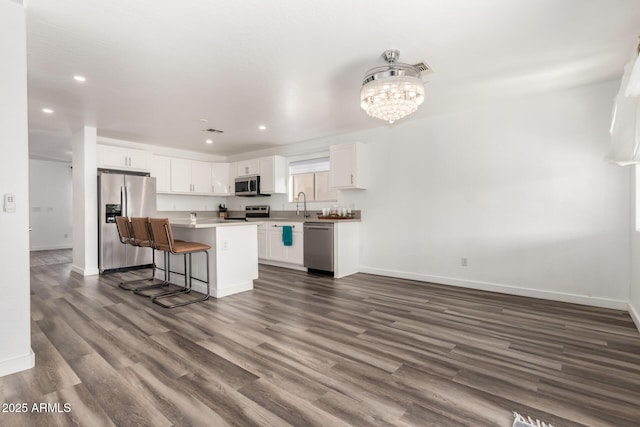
{"x": 635, "y": 316}
{"x": 84, "y": 272}
{"x": 17, "y": 364}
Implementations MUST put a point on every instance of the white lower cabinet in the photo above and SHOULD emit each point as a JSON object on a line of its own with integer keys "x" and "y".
{"x": 272, "y": 248}
{"x": 262, "y": 240}
{"x": 277, "y": 250}
{"x": 295, "y": 253}
{"x": 346, "y": 246}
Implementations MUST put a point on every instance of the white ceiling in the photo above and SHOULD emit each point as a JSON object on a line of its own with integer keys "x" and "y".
{"x": 155, "y": 67}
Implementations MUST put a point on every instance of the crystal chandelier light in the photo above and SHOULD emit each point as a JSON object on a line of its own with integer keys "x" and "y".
{"x": 393, "y": 91}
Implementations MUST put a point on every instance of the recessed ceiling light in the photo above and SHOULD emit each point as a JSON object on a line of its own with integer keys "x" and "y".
{"x": 203, "y": 120}
{"x": 47, "y": 110}
{"x": 209, "y": 141}
{"x": 79, "y": 78}
{"x": 262, "y": 127}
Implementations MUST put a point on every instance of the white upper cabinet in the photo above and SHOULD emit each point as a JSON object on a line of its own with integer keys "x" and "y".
{"x": 273, "y": 175}
{"x": 180, "y": 176}
{"x": 220, "y": 179}
{"x": 190, "y": 176}
{"x": 201, "y": 177}
{"x": 248, "y": 167}
{"x": 272, "y": 171}
{"x": 109, "y": 157}
{"x": 233, "y": 174}
{"x": 183, "y": 176}
{"x": 348, "y": 166}
{"x": 161, "y": 170}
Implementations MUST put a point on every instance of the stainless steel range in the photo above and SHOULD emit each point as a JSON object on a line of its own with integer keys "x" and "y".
{"x": 256, "y": 211}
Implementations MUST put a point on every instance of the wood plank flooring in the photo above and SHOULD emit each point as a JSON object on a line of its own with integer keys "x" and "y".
{"x": 54, "y": 256}
{"x": 309, "y": 350}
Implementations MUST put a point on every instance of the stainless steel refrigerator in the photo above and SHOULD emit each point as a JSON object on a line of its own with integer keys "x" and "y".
{"x": 122, "y": 195}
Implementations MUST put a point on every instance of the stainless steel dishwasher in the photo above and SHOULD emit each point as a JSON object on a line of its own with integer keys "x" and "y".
{"x": 318, "y": 246}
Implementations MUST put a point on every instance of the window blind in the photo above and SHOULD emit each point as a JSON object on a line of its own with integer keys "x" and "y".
{"x": 309, "y": 166}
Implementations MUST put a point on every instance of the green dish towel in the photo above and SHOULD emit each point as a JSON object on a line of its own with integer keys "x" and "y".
{"x": 287, "y": 235}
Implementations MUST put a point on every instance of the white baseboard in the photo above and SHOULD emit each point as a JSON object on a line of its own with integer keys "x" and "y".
{"x": 503, "y": 289}
{"x": 50, "y": 247}
{"x": 17, "y": 364}
{"x": 84, "y": 271}
{"x": 219, "y": 293}
{"x": 202, "y": 287}
{"x": 635, "y": 316}
{"x": 230, "y": 290}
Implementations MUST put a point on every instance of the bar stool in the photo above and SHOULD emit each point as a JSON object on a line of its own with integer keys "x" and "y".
{"x": 141, "y": 237}
{"x": 124, "y": 229}
{"x": 125, "y": 233}
{"x": 127, "y": 237}
{"x": 163, "y": 237}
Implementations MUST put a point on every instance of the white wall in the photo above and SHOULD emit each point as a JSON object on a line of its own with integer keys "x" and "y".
{"x": 634, "y": 287}
{"x": 520, "y": 189}
{"x": 85, "y": 202}
{"x": 15, "y": 330}
{"x": 50, "y": 202}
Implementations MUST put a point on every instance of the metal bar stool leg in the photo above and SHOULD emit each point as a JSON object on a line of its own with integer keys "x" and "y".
{"x": 188, "y": 286}
{"x": 142, "y": 237}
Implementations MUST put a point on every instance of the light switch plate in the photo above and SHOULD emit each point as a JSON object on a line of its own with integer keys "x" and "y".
{"x": 9, "y": 203}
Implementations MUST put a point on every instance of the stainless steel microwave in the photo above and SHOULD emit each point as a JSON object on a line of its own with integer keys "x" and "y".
{"x": 248, "y": 186}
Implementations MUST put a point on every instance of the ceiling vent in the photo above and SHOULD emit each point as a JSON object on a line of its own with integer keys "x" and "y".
{"x": 423, "y": 68}
{"x": 211, "y": 130}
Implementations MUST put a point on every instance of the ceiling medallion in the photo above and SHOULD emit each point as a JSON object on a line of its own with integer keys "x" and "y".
{"x": 392, "y": 91}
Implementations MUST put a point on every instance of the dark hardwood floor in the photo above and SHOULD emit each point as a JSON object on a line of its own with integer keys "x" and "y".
{"x": 313, "y": 351}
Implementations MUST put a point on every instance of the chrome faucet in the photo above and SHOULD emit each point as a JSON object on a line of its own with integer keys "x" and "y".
{"x": 306, "y": 215}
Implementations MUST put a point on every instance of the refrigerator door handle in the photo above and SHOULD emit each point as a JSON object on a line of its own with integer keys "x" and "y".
{"x": 126, "y": 198}
{"x": 123, "y": 201}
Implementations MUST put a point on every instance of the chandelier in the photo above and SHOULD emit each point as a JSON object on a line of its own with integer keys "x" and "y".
{"x": 393, "y": 91}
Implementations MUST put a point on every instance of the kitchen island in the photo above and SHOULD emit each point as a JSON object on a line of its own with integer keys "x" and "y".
{"x": 233, "y": 257}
